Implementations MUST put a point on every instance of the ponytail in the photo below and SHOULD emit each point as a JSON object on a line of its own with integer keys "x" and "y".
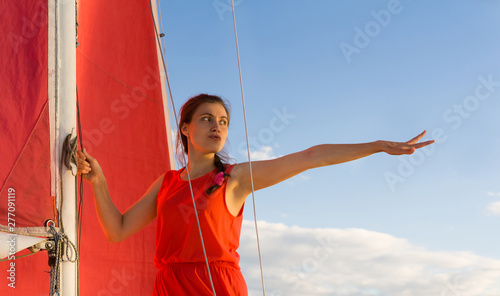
{"x": 221, "y": 169}
{"x": 219, "y": 165}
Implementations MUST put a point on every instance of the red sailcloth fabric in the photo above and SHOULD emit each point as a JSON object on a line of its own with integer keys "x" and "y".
{"x": 124, "y": 127}
{"x": 26, "y": 199}
{"x": 179, "y": 253}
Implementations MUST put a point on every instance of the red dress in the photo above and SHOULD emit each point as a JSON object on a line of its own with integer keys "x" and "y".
{"x": 179, "y": 254}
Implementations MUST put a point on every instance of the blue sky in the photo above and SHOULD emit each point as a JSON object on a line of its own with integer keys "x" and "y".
{"x": 410, "y": 66}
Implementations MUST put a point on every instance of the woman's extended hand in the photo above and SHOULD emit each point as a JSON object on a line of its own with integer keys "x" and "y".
{"x": 398, "y": 148}
{"x": 88, "y": 167}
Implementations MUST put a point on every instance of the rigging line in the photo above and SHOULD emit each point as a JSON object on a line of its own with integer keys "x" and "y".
{"x": 161, "y": 27}
{"x": 184, "y": 157}
{"x": 80, "y": 194}
{"x": 248, "y": 149}
{"x": 80, "y": 202}
{"x": 164, "y": 61}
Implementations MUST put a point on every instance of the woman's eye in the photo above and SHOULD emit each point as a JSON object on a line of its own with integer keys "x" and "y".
{"x": 223, "y": 122}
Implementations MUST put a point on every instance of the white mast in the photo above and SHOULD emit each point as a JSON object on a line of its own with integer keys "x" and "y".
{"x": 65, "y": 125}
{"x": 168, "y": 129}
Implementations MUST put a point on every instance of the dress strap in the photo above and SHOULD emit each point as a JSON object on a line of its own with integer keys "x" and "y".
{"x": 229, "y": 168}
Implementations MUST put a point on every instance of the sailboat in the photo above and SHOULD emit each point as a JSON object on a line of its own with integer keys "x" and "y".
{"x": 106, "y": 54}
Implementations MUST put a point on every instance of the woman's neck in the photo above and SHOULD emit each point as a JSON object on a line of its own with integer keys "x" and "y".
{"x": 199, "y": 165}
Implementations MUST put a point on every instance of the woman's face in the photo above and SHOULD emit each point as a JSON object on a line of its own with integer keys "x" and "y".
{"x": 207, "y": 131}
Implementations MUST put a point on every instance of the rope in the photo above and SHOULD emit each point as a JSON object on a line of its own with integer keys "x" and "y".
{"x": 161, "y": 26}
{"x": 56, "y": 256}
{"x": 80, "y": 192}
{"x": 29, "y": 231}
{"x": 33, "y": 251}
{"x": 248, "y": 149}
{"x": 184, "y": 157}
{"x": 69, "y": 152}
{"x": 69, "y": 156}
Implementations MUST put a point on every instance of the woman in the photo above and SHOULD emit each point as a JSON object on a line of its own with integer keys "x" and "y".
{"x": 219, "y": 190}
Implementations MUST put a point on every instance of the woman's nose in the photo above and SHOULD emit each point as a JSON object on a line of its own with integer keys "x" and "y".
{"x": 215, "y": 127}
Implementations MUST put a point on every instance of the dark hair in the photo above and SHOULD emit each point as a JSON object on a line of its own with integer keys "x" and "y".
{"x": 186, "y": 115}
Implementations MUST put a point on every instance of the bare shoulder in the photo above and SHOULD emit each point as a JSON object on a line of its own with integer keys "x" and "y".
{"x": 143, "y": 211}
{"x": 151, "y": 193}
{"x": 238, "y": 170}
{"x": 239, "y": 175}
{"x": 149, "y": 197}
{"x": 157, "y": 183}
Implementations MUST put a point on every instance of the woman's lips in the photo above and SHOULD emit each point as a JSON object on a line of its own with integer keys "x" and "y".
{"x": 215, "y": 137}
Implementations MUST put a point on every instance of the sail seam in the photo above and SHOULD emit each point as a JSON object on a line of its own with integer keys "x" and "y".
{"x": 25, "y": 145}
{"x": 115, "y": 78}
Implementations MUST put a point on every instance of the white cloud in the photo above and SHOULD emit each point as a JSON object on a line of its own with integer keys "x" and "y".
{"x": 304, "y": 177}
{"x": 494, "y": 208}
{"x": 354, "y": 262}
{"x": 264, "y": 153}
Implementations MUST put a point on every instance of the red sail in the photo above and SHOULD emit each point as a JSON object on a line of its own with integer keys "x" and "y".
{"x": 25, "y": 135}
{"x": 123, "y": 123}
{"x": 124, "y": 127}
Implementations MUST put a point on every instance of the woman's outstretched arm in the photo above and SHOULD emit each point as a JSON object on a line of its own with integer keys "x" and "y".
{"x": 117, "y": 226}
{"x": 269, "y": 172}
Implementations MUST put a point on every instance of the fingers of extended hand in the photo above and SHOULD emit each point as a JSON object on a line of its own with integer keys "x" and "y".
{"x": 417, "y": 138}
{"x": 423, "y": 144}
{"x": 409, "y": 149}
{"x": 398, "y": 148}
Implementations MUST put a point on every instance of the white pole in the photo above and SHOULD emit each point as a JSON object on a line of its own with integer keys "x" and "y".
{"x": 66, "y": 108}
{"x": 170, "y": 147}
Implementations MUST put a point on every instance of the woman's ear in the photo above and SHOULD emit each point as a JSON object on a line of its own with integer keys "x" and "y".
{"x": 184, "y": 129}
